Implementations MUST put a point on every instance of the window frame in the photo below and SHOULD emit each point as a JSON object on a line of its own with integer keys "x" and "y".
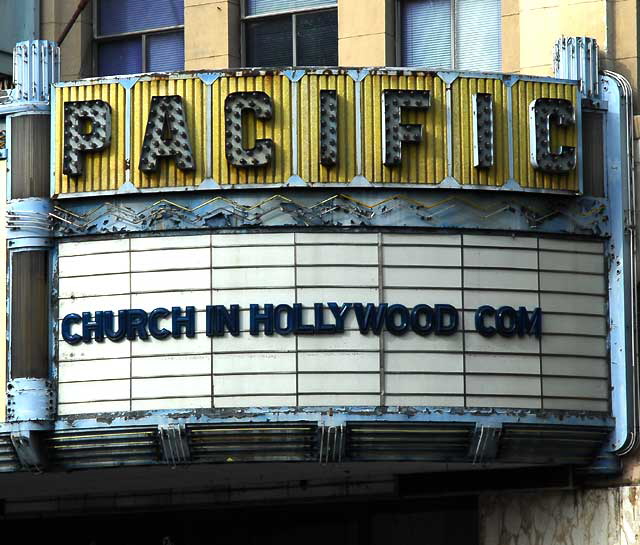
{"x": 106, "y": 38}
{"x": 244, "y": 18}
{"x": 452, "y": 23}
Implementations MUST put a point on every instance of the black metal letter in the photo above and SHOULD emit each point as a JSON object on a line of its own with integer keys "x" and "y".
{"x": 77, "y": 142}
{"x": 482, "y": 130}
{"x": 235, "y": 104}
{"x": 167, "y": 135}
{"x": 328, "y": 128}
{"x": 396, "y": 132}
{"x": 543, "y": 112}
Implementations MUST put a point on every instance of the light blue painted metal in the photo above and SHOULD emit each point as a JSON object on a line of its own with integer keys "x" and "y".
{"x": 579, "y": 153}
{"x": 509, "y": 84}
{"x": 20, "y": 107}
{"x": 9, "y": 167}
{"x": 127, "y": 83}
{"x": 621, "y": 256}
{"x": 294, "y": 75}
{"x": 53, "y": 151}
{"x": 28, "y": 223}
{"x": 21, "y": 21}
{"x": 30, "y": 399}
{"x": 53, "y": 312}
{"x": 209, "y": 77}
{"x": 576, "y": 58}
{"x": 239, "y": 209}
{"x": 36, "y": 66}
{"x": 330, "y": 416}
{"x": 29, "y": 450}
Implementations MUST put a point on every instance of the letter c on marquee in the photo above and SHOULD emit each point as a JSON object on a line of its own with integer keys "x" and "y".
{"x": 67, "y": 322}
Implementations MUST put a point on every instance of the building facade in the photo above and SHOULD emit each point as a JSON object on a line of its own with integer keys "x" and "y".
{"x": 308, "y": 269}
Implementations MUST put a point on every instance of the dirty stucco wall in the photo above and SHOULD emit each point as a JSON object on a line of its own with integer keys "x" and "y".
{"x": 601, "y": 516}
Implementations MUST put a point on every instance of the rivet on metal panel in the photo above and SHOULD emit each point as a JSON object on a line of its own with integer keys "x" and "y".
{"x": 235, "y": 104}
{"x": 542, "y": 113}
{"x": 77, "y": 142}
{"x": 328, "y": 127}
{"x": 167, "y": 135}
{"x": 396, "y": 132}
{"x": 482, "y": 130}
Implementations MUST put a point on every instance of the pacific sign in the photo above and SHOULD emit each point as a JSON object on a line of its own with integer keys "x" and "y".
{"x": 88, "y": 130}
{"x": 283, "y": 319}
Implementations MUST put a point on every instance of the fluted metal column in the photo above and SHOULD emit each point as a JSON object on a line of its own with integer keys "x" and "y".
{"x": 30, "y": 391}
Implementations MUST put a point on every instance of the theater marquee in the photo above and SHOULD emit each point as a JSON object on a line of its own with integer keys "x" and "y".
{"x": 357, "y": 127}
{"x": 263, "y": 319}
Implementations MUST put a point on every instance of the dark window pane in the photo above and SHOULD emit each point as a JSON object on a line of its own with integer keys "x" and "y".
{"x": 119, "y": 16}
{"x": 317, "y": 38}
{"x": 269, "y": 42}
{"x": 165, "y": 52}
{"x": 120, "y": 57}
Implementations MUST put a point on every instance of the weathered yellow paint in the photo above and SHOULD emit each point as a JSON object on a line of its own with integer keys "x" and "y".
{"x": 422, "y": 163}
{"x": 462, "y": 91}
{"x": 310, "y": 168}
{"x": 102, "y": 171}
{"x": 524, "y": 92}
{"x": 278, "y": 87}
{"x": 192, "y": 91}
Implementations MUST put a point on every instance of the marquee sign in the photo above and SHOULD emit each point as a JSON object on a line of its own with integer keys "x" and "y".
{"x": 308, "y": 318}
{"x": 283, "y": 319}
{"x": 382, "y": 127}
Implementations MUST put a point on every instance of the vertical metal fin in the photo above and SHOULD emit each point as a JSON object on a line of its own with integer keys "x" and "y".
{"x": 174, "y": 444}
{"x": 332, "y": 444}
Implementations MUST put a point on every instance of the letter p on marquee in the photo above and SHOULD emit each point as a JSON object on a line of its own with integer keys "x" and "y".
{"x": 78, "y": 116}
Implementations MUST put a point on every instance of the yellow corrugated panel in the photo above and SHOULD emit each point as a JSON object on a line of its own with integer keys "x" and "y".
{"x": 462, "y": 91}
{"x": 103, "y": 170}
{"x": 524, "y": 92}
{"x": 192, "y": 91}
{"x": 422, "y": 163}
{"x": 310, "y": 169}
{"x": 278, "y": 128}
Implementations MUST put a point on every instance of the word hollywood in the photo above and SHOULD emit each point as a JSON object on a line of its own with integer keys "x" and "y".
{"x": 167, "y": 131}
{"x": 283, "y": 319}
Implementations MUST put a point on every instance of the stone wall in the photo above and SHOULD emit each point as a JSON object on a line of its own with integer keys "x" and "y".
{"x": 603, "y": 516}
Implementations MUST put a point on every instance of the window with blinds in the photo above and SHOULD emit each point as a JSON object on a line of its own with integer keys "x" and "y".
{"x": 290, "y": 33}
{"x": 133, "y": 38}
{"x": 451, "y": 34}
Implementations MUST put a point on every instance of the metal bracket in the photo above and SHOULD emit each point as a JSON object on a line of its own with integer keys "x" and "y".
{"x": 332, "y": 443}
{"x": 28, "y": 223}
{"x": 294, "y": 75}
{"x": 484, "y": 444}
{"x": 30, "y": 450}
{"x": 175, "y": 444}
{"x": 358, "y": 75}
{"x": 209, "y": 77}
